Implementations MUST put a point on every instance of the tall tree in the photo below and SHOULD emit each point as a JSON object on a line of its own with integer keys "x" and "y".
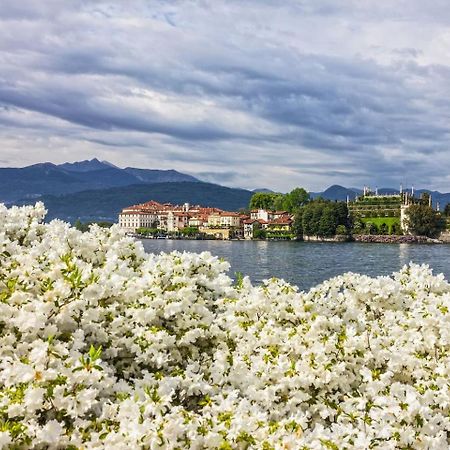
{"x": 447, "y": 210}
{"x": 290, "y": 202}
{"x": 263, "y": 200}
{"x": 328, "y": 222}
{"x": 342, "y": 214}
{"x": 423, "y": 220}
{"x": 425, "y": 199}
{"x": 307, "y": 220}
{"x": 297, "y": 225}
{"x": 297, "y": 198}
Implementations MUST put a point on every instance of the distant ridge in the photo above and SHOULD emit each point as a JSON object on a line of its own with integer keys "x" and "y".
{"x": 336, "y": 192}
{"x": 105, "y": 204}
{"x": 104, "y": 189}
{"x": 34, "y": 181}
{"x": 87, "y": 166}
{"x": 159, "y": 176}
{"x": 264, "y": 191}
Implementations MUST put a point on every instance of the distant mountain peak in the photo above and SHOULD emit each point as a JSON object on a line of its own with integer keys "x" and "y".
{"x": 335, "y": 192}
{"x": 86, "y": 165}
{"x": 48, "y": 178}
{"x": 263, "y": 191}
{"x": 43, "y": 165}
{"x": 107, "y": 163}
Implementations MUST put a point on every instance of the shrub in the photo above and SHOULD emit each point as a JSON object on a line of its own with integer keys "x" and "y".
{"x": 384, "y": 228}
{"x": 341, "y": 229}
{"x": 371, "y": 228}
{"x": 105, "y": 346}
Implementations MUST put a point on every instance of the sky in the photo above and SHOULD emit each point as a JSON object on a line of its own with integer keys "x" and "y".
{"x": 244, "y": 93}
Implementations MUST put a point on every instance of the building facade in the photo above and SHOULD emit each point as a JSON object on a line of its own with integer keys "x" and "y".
{"x": 209, "y": 221}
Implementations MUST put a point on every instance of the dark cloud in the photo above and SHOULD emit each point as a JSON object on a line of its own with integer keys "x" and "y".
{"x": 241, "y": 93}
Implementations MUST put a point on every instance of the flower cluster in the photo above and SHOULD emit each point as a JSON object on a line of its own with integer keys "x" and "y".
{"x": 105, "y": 346}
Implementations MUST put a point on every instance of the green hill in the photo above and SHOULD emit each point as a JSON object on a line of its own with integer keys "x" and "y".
{"x": 32, "y": 182}
{"x": 105, "y": 204}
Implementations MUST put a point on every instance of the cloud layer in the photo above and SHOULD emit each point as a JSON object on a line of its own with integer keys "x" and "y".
{"x": 249, "y": 94}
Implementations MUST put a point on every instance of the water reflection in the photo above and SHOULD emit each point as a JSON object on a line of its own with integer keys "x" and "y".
{"x": 306, "y": 264}
{"x": 404, "y": 255}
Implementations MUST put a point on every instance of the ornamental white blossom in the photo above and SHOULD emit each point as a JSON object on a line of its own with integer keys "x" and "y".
{"x": 105, "y": 346}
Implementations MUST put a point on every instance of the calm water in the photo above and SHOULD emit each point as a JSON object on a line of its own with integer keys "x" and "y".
{"x": 306, "y": 264}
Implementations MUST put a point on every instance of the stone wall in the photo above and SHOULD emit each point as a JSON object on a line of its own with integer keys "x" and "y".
{"x": 391, "y": 239}
{"x": 445, "y": 237}
{"x": 337, "y": 238}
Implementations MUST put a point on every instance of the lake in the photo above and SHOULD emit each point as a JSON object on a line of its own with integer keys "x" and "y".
{"x": 306, "y": 264}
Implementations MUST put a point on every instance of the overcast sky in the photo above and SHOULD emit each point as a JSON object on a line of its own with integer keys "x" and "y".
{"x": 242, "y": 93}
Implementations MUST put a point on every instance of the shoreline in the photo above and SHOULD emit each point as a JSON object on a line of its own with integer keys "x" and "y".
{"x": 388, "y": 239}
{"x": 338, "y": 239}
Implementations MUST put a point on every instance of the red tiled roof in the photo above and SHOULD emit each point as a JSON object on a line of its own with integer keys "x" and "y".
{"x": 281, "y": 221}
{"x": 229, "y": 214}
{"x": 155, "y": 207}
{"x": 261, "y": 221}
{"x": 133, "y": 213}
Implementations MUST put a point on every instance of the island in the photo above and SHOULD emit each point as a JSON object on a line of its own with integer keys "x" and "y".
{"x": 370, "y": 217}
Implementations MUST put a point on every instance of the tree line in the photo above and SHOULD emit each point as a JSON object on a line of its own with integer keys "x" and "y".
{"x": 325, "y": 218}
{"x": 318, "y": 217}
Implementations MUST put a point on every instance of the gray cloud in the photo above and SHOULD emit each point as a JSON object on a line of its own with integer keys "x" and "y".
{"x": 248, "y": 94}
{"x": 227, "y": 177}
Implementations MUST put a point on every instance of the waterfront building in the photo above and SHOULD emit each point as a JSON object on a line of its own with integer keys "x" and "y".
{"x": 282, "y": 224}
{"x": 267, "y": 215}
{"x": 198, "y": 221}
{"x": 163, "y": 216}
{"x": 250, "y": 225}
{"x": 224, "y": 219}
{"x": 217, "y": 233}
{"x": 259, "y": 214}
{"x": 210, "y": 221}
{"x": 388, "y": 212}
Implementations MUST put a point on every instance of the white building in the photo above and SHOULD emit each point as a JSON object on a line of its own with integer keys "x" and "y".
{"x": 263, "y": 214}
{"x": 168, "y": 217}
{"x": 250, "y": 225}
{"x": 139, "y": 216}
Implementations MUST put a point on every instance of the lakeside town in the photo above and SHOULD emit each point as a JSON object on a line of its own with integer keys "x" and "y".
{"x": 153, "y": 219}
{"x": 370, "y": 217}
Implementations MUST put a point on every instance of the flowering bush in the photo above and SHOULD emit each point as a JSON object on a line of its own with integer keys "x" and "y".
{"x": 105, "y": 346}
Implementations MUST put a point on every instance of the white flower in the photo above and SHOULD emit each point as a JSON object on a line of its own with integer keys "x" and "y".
{"x": 50, "y": 433}
{"x": 128, "y": 350}
{"x": 5, "y": 439}
{"x": 34, "y": 398}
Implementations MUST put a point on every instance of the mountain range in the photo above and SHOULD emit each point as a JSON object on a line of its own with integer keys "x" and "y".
{"x": 32, "y": 182}
{"x": 105, "y": 204}
{"x": 97, "y": 190}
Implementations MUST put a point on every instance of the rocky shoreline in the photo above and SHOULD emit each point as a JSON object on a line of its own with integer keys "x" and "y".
{"x": 387, "y": 239}
{"x": 363, "y": 238}
{"x": 379, "y": 239}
